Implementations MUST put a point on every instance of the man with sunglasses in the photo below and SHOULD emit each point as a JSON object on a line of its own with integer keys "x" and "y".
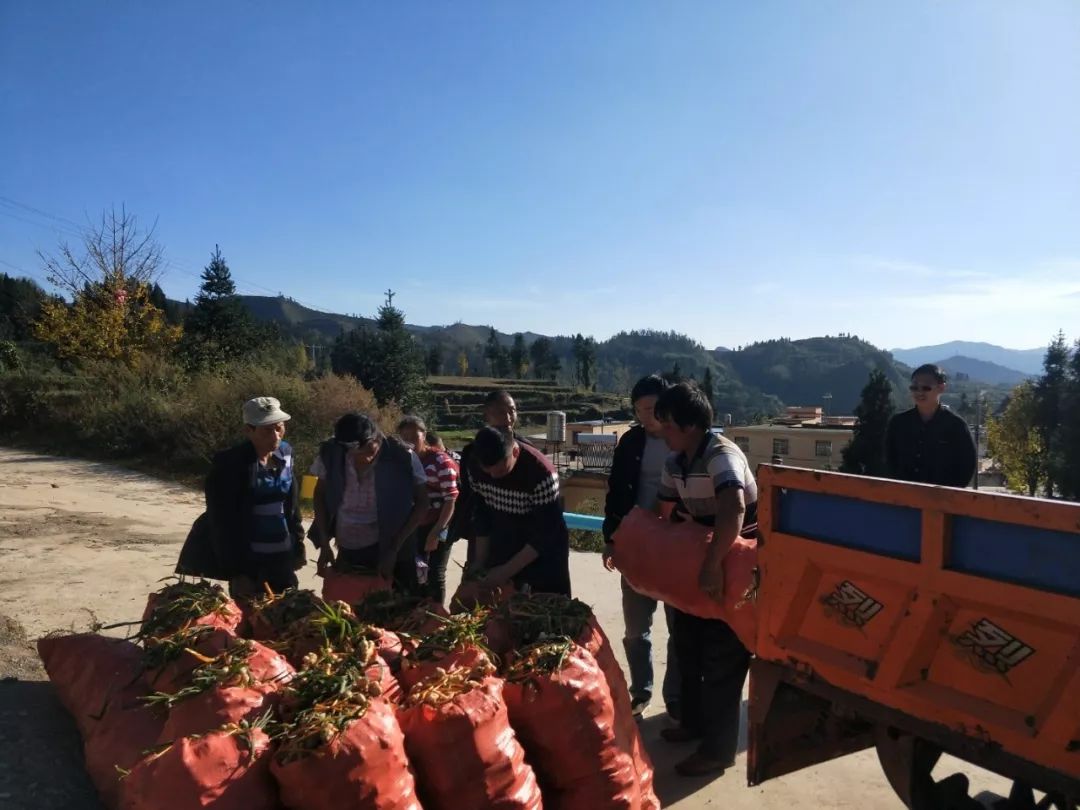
{"x": 929, "y": 444}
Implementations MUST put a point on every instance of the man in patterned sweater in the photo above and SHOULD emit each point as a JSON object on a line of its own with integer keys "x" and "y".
{"x": 521, "y": 535}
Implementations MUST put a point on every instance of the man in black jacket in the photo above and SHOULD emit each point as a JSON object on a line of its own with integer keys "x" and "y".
{"x": 253, "y": 506}
{"x": 635, "y": 481}
{"x": 929, "y": 443}
{"x": 500, "y": 411}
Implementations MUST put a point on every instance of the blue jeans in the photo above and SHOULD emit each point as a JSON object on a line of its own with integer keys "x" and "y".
{"x": 638, "y": 613}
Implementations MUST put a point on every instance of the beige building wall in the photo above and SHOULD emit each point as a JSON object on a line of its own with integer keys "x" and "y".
{"x": 816, "y": 448}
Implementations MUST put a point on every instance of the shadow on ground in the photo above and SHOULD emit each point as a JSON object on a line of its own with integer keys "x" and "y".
{"x": 41, "y": 762}
{"x": 670, "y": 787}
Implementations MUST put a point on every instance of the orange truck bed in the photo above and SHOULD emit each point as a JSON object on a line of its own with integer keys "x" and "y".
{"x": 954, "y": 609}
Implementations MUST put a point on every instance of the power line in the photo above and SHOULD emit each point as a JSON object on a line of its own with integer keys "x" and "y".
{"x": 38, "y": 211}
{"x": 50, "y": 226}
{"x": 251, "y": 287}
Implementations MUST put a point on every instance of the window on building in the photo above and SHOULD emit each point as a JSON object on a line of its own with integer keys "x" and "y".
{"x": 780, "y": 447}
{"x": 823, "y": 449}
{"x": 743, "y": 443}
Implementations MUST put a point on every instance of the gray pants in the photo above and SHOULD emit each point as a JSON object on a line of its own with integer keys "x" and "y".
{"x": 638, "y": 613}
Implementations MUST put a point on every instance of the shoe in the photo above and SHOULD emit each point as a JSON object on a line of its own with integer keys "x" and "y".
{"x": 638, "y": 707}
{"x": 697, "y": 764}
{"x": 678, "y": 734}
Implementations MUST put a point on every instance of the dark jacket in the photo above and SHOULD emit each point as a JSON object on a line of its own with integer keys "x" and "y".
{"x": 461, "y": 524}
{"x": 940, "y": 451}
{"x": 393, "y": 487}
{"x": 219, "y": 544}
{"x": 623, "y": 480}
{"x": 523, "y": 508}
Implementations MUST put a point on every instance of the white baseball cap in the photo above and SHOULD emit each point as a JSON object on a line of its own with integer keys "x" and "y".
{"x": 264, "y": 411}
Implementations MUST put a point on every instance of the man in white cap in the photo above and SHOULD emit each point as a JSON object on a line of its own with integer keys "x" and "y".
{"x": 253, "y": 505}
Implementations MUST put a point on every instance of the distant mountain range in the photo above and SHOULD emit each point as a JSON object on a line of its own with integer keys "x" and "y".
{"x": 754, "y": 380}
{"x": 981, "y": 371}
{"x": 1024, "y": 361}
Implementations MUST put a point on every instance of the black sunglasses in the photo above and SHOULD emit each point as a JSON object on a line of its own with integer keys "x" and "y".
{"x": 924, "y": 388}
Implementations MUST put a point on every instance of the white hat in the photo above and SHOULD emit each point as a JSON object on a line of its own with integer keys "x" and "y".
{"x": 264, "y": 411}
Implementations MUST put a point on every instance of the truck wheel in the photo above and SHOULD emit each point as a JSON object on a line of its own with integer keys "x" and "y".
{"x": 909, "y": 761}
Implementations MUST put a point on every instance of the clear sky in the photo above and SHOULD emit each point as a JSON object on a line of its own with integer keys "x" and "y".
{"x": 905, "y": 171}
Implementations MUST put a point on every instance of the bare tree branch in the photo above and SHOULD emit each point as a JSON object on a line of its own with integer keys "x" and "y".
{"x": 114, "y": 252}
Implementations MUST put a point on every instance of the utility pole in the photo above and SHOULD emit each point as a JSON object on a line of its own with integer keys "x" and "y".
{"x": 978, "y": 420}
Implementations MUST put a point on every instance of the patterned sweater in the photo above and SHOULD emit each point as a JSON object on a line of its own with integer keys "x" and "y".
{"x": 523, "y": 508}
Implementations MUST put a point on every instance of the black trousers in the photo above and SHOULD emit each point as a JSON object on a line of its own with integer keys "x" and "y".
{"x": 713, "y": 664}
{"x": 276, "y": 571}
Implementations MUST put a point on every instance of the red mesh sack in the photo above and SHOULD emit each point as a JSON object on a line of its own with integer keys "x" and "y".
{"x": 189, "y": 649}
{"x": 663, "y": 560}
{"x": 413, "y": 670}
{"x": 217, "y": 707}
{"x": 226, "y": 770}
{"x": 186, "y": 604}
{"x": 472, "y": 594}
{"x": 578, "y": 759}
{"x": 390, "y": 646}
{"x": 627, "y": 734}
{"x": 364, "y": 766}
{"x": 86, "y": 670}
{"x": 269, "y": 617}
{"x": 499, "y": 633}
{"x": 350, "y": 588}
{"x": 389, "y": 685}
{"x": 464, "y": 751}
{"x": 125, "y": 731}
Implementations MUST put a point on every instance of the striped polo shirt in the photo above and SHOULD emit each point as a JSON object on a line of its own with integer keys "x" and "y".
{"x": 271, "y": 489}
{"x": 717, "y": 465}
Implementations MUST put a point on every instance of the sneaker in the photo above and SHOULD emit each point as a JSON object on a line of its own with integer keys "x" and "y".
{"x": 638, "y": 707}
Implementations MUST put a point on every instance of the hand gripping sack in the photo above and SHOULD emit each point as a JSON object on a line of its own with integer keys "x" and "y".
{"x": 578, "y": 760}
{"x": 465, "y": 753}
{"x": 364, "y": 767}
{"x": 740, "y": 590}
{"x": 225, "y": 770}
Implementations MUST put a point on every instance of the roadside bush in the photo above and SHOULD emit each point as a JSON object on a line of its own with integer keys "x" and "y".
{"x": 156, "y": 413}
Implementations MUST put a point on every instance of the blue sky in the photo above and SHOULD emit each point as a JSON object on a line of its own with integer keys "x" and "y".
{"x": 908, "y": 171}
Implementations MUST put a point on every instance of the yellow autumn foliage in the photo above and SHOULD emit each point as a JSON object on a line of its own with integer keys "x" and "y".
{"x": 109, "y": 321}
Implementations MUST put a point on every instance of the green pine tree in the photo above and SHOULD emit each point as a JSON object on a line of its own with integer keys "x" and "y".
{"x": 387, "y": 360}
{"x": 220, "y": 329}
{"x": 708, "y": 386}
{"x": 865, "y": 455}
{"x": 519, "y": 356}
{"x": 1050, "y": 393}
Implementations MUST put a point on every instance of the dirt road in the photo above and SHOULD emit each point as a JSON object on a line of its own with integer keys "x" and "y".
{"x": 80, "y": 540}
